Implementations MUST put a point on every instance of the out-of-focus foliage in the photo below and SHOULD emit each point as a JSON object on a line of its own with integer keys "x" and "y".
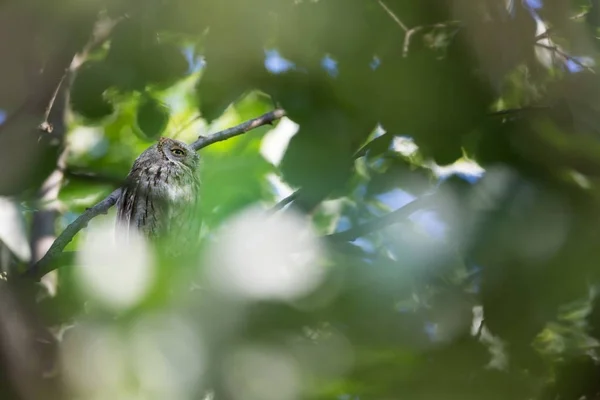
{"x": 485, "y": 114}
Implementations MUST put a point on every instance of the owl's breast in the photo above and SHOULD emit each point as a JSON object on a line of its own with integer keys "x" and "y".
{"x": 177, "y": 187}
{"x": 179, "y": 193}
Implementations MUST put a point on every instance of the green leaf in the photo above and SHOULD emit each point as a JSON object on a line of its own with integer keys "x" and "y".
{"x": 162, "y": 64}
{"x": 87, "y": 99}
{"x": 152, "y": 118}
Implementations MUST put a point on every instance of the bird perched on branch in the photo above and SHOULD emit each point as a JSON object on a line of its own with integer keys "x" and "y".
{"x": 160, "y": 195}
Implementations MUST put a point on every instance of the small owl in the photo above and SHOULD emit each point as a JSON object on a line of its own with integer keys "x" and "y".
{"x": 160, "y": 194}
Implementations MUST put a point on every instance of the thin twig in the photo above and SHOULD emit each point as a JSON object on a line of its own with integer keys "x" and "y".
{"x": 46, "y": 126}
{"x": 264, "y": 119}
{"x": 384, "y": 221}
{"x": 394, "y": 16}
{"x": 34, "y": 99}
{"x": 557, "y": 50}
{"x": 284, "y": 202}
{"x": 580, "y": 15}
{"x": 480, "y": 328}
{"x": 561, "y": 53}
{"x": 543, "y": 35}
{"x": 407, "y": 38}
{"x": 511, "y": 111}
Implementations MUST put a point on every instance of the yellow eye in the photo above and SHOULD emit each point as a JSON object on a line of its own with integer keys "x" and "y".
{"x": 178, "y": 152}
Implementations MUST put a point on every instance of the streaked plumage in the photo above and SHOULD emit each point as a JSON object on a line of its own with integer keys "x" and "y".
{"x": 160, "y": 195}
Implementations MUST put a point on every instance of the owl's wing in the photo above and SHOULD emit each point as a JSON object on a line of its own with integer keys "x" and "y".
{"x": 184, "y": 217}
{"x": 126, "y": 207}
{"x": 140, "y": 208}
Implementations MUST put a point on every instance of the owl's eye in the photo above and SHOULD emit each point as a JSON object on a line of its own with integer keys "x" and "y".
{"x": 178, "y": 152}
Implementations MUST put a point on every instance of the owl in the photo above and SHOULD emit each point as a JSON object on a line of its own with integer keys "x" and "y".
{"x": 160, "y": 194}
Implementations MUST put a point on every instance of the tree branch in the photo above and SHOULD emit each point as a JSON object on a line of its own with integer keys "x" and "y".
{"x": 42, "y": 267}
{"x": 264, "y": 119}
{"x": 393, "y": 15}
{"x": 284, "y": 202}
{"x": 512, "y": 111}
{"x": 392, "y": 218}
{"x": 45, "y": 264}
{"x": 566, "y": 56}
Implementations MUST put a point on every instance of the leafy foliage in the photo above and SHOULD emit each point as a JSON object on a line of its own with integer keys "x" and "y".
{"x": 444, "y": 155}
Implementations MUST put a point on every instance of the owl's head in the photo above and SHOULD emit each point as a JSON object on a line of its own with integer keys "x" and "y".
{"x": 178, "y": 152}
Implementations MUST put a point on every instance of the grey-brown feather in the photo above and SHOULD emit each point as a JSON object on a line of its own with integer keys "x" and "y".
{"x": 161, "y": 192}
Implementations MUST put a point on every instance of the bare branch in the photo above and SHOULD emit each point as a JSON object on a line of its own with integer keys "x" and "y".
{"x": 284, "y": 202}
{"x": 264, "y": 119}
{"x": 409, "y": 32}
{"x": 393, "y": 15}
{"x": 543, "y": 35}
{"x": 46, "y": 126}
{"x": 41, "y": 268}
{"x": 566, "y": 56}
{"x": 379, "y": 223}
{"x": 512, "y": 111}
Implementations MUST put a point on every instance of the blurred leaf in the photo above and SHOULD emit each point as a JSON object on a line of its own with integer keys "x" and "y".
{"x": 152, "y": 118}
{"x": 92, "y": 80}
{"x": 78, "y": 196}
{"x": 163, "y": 64}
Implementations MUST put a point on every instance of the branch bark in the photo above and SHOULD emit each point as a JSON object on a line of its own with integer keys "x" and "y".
{"x": 284, "y": 202}
{"x": 265, "y": 119}
{"x": 566, "y": 56}
{"x": 44, "y": 265}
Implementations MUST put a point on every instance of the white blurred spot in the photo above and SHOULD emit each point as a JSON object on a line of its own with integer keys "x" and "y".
{"x": 324, "y": 352}
{"x": 499, "y": 359}
{"x": 261, "y": 255}
{"x": 431, "y": 223}
{"x": 275, "y": 142}
{"x": 160, "y": 358}
{"x": 93, "y": 359}
{"x": 581, "y": 180}
{"x": 488, "y": 194}
{"x": 465, "y": 167}
{"x": 167, "y": 356}
{"x": 548, "y": 228}
{"x": 12, "y": 229}
{"x": 407, "y": 147}
{"x": 116, "y": 273}
{"x": 404, "y": 145}
{"x": 254, "y": 373}
{"x": 395, "y": 198}
{"x": 83, "y": 138}
{"x": 449, "y": 318}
